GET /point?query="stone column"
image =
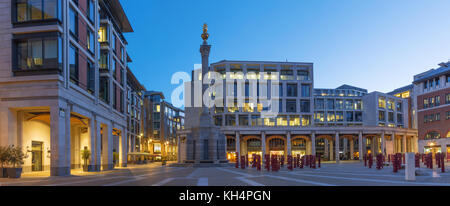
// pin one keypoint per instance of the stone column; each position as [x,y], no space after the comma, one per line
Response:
[92,143]
[360,144]
[352,148]
[107,153]
[313,143]
[123,149]
[326,149]
[98,145]
[372,145]
[58,141]
[404,143]
[238,145]
[331,152]
[345,142]
[263,145]
[288,145]
[337,147]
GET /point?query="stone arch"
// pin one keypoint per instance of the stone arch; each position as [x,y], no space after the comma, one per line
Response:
[324,136]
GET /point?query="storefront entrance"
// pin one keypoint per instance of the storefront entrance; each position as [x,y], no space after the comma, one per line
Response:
[36,157]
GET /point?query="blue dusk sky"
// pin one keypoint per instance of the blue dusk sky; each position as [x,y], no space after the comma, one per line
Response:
[374,44]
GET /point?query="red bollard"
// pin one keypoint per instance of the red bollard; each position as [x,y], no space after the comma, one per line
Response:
[370,161]
[258,164]
[282,161]
[237,160]
[289,162]
[267,162]
[242,162]
[313,161]
[389,158]
[404,159]
[417,160]
[442,163]
[302,162]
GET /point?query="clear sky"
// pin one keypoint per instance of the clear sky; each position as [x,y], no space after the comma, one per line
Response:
[374,44]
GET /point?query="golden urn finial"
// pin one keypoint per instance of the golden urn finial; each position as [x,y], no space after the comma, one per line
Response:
[205,34]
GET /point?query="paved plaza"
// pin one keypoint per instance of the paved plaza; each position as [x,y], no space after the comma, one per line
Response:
[344,174]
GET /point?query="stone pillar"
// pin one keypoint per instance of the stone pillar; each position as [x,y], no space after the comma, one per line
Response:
[383,144]
[352,148]
[288,145]
[404,143]
[92,143]
[238,145]
[326,149]
[123,149]
[59,166]
[360,144]
[313,143]
[345,142]
[372,145]
[263,145]
[98,145]
[337,147]
[107,153]
[331,152]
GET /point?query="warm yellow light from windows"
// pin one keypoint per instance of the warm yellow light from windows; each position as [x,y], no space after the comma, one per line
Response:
[282,121]
[259,107]
[305,121]
[158,108]
[248,107]
[269,122]
[294,121]
[102,35]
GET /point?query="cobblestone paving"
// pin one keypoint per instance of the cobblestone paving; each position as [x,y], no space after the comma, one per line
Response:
[344,174]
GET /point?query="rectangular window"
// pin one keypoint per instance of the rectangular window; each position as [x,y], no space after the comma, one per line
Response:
[305,106]
[438,117]
[358,116]
[319,104]
[104,60]
[349,116]
[256,120]
[91,77]
[113,43]
[230,120]
[438,82]
[103,34]
[282,121]
[447,98]
[38,53]
[381,116]
[104,89]
[448,115]
[399,119]
[447,79]
[37,10]
[303,75]
[425,103]
[73,64]
[382,102]
[331,117]
[391,117]
[330,104]
[437,101]
[399,107]
[339,104]
[339,116]
[114,71]
[91,10]
[114,96]
[291,106]
[320,117]
[349,104]
[291,90]
[306,120]
[390,105]
[431,102]
[90,41]
[294,121]
[358,105]
[73,22]
[306,90]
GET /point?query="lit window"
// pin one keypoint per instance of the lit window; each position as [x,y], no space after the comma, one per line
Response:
[382,102]
[294,121]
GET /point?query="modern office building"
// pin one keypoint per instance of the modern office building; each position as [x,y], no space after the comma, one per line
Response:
[162,120]
[432,103]
[63,72]
[135,107]
[343,122]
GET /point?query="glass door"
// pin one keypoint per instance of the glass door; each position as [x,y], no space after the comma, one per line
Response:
[36,156]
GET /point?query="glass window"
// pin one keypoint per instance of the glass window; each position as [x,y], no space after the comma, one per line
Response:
[243,120]
[448,78]
[73,64]
[306,120]
[382,102]
[91,10]
[399,107]
[230,120]
[432,135]
[448,115]
[282,121]
[330,104]
[114,71]
[90,41]
[339,104]
[269,122]
[425,103]
[438,82]
[305,106]
[330,117]
[320,117]
[104,60]
[303,75]
[349,104]
[306,90]
[339,116]
[113,43]
[104,89]
[349,116]
[381,116]
[438,100]
[73,24]
[358,105]
[294,121]
[319,104]
[91,76]
[40,53]
[35,10]
[391,116]
[103,34]
[358,116]
[291,106]
[291,90]
[447,98]
[256,120]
